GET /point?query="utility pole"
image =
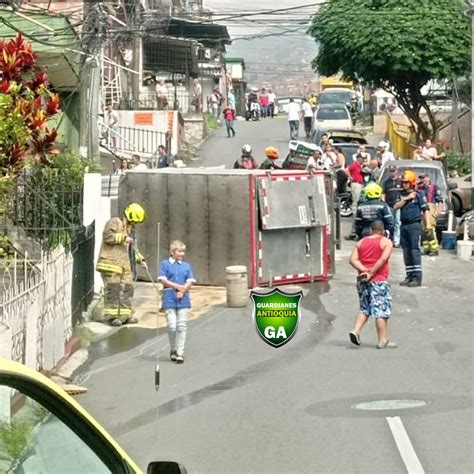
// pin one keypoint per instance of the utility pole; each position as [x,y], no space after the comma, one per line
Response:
[454,118]
[90,91]
[472,103]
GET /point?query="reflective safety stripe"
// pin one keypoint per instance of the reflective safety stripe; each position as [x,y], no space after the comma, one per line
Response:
[119,238]
[139,258]
[117,311]
[109,268]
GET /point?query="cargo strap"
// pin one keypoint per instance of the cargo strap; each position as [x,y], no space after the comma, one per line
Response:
[109,268]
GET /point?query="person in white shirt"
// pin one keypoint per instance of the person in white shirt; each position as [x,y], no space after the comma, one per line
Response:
[137,164]
[361,150]
[271,103]
[112,119]
[315,162]
[307,117]
[429,151]
[161,95]
[294,115]
[329,157]
[387,155]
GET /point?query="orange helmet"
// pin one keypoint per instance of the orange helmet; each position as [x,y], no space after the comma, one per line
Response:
[271,152]
[410,176]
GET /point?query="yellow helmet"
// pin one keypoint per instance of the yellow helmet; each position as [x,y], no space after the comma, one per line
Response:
[373,191]
[135,213]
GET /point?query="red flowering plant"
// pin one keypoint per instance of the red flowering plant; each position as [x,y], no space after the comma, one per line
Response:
[26,105]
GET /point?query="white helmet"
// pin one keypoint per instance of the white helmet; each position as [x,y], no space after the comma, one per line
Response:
[254,89]
[383,145]
[246,150]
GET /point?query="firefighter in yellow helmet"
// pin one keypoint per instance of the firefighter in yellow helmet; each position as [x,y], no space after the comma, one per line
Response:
[114,265]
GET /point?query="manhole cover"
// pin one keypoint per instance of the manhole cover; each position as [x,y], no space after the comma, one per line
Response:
[390,404]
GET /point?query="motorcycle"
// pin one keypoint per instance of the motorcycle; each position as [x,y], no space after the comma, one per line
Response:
[345,204]
[252,111]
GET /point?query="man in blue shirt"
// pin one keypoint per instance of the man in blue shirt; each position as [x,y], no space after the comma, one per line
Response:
[413,208]
[177,277]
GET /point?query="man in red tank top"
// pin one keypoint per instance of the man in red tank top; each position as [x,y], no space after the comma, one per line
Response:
[370,258]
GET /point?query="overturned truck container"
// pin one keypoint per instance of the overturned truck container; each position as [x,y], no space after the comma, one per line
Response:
[278,224]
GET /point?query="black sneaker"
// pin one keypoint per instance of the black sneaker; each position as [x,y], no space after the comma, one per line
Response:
[405,282]
[179,359]
[115,322]
[350,237]
[414,283]
[131,321]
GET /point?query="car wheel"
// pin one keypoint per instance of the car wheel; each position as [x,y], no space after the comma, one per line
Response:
[457,205]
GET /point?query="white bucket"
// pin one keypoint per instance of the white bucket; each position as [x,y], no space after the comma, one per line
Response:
[237,286]
[464,250]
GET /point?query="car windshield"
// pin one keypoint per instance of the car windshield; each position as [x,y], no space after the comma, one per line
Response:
[334,98]
[350,150]
[332,114]
[435,174]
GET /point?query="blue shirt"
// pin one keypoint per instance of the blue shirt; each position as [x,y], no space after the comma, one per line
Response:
[175,272]
[412,210]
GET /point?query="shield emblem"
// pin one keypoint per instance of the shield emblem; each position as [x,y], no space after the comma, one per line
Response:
[276,315]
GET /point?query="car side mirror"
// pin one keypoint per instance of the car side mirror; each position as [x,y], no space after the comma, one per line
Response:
[452,185]
[165,467]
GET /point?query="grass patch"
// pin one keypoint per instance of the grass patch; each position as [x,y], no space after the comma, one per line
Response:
[210,123]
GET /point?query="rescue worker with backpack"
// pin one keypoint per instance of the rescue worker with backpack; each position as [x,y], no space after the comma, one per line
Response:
[434,199]
[373,209]
[246,161]
[413,209]
[115,267]
[272,154]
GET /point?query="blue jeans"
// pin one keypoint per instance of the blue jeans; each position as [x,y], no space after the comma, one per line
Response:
[410,241]
[177,321]
[396,226]
[294,129]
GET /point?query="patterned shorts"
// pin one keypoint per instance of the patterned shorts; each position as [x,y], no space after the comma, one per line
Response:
[375,299]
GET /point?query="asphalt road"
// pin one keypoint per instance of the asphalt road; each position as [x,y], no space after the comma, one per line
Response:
[238,405]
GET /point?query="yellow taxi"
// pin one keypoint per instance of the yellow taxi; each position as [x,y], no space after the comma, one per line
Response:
[44,430]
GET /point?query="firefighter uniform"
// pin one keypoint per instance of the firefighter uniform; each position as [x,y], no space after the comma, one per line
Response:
[411,217]
[429,240]
[370,211]
[115,267]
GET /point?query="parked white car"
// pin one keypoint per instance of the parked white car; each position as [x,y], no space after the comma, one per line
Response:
[332,116]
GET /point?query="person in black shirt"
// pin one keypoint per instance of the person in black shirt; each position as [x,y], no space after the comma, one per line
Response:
[392,188]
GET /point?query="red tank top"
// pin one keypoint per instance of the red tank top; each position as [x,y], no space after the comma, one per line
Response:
[369,253]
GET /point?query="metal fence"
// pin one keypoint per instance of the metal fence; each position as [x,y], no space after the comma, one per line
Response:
[139,140]
[46,207]
[177,98]
[35,311]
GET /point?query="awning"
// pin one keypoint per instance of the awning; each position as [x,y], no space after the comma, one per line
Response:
[210,34]
[55,41]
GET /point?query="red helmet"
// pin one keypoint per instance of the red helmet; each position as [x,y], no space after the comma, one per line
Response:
[410,176]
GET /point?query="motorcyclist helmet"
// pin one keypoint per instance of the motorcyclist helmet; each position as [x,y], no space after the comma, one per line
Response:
[135,213]
[410,177]
[373,191]
[246,150]
[271,152]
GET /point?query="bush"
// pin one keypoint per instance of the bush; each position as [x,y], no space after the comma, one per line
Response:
[460,164]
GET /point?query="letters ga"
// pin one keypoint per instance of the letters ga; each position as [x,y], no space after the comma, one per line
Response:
[271,333]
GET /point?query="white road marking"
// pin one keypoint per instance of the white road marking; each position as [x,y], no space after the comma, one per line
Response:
[405,448]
